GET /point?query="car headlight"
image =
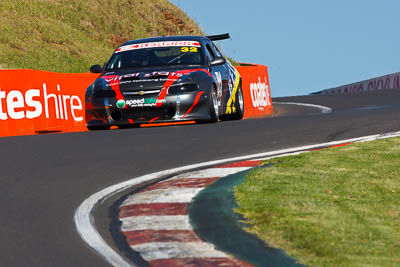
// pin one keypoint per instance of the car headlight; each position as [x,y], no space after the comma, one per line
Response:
[100,89]
[183,88]
[103,93]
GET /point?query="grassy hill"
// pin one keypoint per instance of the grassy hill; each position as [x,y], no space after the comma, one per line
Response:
[71,35]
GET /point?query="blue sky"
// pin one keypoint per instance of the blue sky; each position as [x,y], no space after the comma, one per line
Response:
[308,45]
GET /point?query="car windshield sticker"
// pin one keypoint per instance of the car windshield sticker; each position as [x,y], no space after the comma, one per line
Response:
[158,44]
[186,49]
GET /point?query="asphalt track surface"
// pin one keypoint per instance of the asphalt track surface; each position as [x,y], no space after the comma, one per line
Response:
[45,178]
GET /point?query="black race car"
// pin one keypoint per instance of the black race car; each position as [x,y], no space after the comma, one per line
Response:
[164,79]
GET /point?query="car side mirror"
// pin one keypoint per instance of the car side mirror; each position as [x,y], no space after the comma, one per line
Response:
[218,61]
[96,69]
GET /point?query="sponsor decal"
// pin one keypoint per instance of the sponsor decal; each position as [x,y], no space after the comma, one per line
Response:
[162,73]
[158,44]
[16,105]
[218,80]
[121,104]
[146,76]
[234,79]
[260,93]
[233,73]
[144,102]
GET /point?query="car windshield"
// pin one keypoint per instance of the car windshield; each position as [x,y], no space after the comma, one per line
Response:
[156,54]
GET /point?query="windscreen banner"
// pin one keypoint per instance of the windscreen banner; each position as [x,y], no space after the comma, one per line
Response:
[35,102]
[256,90]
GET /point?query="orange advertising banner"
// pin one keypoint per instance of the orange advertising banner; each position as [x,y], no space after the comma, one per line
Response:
[34,102]
[37,102]
[256,90]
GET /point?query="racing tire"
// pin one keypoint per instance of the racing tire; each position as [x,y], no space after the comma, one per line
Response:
[213,105]
[239,106]
[98,127]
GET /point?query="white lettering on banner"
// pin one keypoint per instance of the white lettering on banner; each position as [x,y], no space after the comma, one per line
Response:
[18,106]
[391,81]
[3,116]
[46,102]
[76,107]
[29,95]
[260,93]
[15,100]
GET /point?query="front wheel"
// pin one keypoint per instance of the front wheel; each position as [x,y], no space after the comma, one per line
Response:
[213,105]
[238,105]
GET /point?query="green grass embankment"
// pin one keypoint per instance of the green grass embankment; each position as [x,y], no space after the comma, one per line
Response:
[71,35]
[334,207]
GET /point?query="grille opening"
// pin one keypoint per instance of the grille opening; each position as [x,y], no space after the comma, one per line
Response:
[116,115]
[171,112]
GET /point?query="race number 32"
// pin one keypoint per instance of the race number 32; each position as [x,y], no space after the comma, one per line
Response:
[189,49]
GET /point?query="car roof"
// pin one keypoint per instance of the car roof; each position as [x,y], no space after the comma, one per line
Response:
[168,38]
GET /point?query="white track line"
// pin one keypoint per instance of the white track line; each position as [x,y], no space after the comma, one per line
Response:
[84,220]
[323,108]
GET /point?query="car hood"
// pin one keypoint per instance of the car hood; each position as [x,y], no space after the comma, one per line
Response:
[133,82]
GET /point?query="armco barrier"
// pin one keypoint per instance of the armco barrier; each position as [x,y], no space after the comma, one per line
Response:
[256,90]
[33,102]
[36,102]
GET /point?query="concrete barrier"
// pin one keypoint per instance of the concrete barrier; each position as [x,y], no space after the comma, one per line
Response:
[34,102]
[256,90]
[37,102]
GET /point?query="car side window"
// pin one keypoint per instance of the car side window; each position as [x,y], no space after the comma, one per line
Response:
[210,53]
[216,50]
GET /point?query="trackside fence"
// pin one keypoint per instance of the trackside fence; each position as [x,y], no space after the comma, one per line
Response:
[386,82]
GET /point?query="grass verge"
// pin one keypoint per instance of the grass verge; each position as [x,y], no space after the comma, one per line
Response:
[71,35]
[333,207]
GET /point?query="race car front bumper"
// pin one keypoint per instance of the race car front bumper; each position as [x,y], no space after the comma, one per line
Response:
[108,111]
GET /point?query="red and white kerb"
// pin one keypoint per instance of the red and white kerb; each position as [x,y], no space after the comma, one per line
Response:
[158,44]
